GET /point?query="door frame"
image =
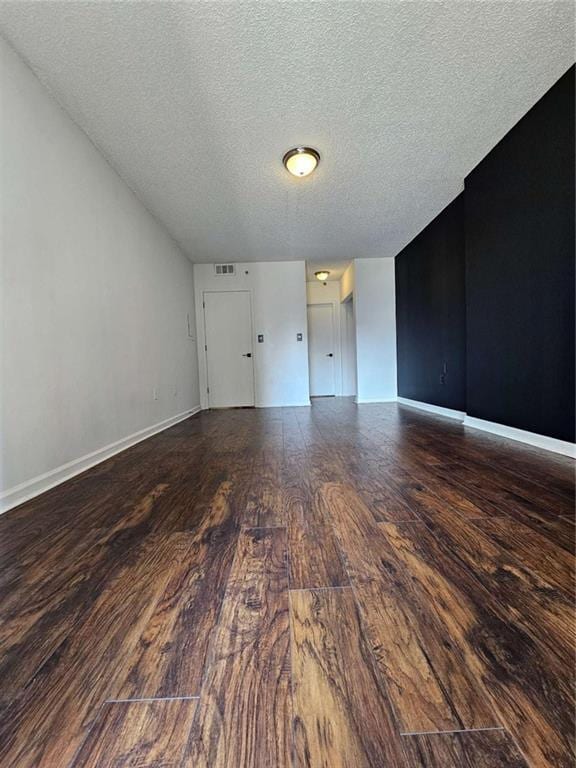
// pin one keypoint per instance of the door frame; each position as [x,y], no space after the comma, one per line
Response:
[336,342]
[251,313]
[349,367]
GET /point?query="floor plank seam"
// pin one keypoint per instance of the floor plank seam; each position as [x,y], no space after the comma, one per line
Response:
[210,646]
[86,735]
[516,743]
[262,527]
[319,589]
[384,682]
[455,730]
[151,698]
[291,725]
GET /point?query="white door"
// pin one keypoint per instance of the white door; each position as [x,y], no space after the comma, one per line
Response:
[321,349]
[228,324]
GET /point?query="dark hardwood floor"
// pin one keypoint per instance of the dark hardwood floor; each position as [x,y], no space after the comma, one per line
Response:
[334,587]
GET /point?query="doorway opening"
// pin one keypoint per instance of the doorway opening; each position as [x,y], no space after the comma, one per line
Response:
[349,385]
[331,329]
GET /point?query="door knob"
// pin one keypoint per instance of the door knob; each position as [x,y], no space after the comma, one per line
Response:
[329,354]
[248,354]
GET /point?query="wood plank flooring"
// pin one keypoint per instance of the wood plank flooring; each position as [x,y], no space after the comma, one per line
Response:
[139,734]
[339,586]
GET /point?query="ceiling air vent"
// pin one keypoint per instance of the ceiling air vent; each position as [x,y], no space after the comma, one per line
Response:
[224,269]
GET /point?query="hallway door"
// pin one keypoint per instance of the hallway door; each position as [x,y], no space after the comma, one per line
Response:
[228,324]
[321,349]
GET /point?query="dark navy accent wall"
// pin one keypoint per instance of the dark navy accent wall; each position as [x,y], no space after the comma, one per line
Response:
[488,287]
[519,205]
[431,313]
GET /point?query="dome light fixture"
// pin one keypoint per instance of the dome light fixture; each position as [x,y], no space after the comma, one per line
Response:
[321,275]
[301,161]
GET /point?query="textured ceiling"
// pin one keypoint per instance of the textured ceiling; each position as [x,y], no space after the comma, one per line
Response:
[194,103]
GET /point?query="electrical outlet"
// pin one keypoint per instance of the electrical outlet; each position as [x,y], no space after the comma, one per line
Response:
[154,393]
[175,391]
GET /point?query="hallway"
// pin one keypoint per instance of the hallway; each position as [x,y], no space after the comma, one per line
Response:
[340,585]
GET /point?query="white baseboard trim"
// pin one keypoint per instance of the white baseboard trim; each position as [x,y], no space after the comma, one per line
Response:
[300,404]
[367,400]
[449,413]
[512,433]
[531,438]
[37,485]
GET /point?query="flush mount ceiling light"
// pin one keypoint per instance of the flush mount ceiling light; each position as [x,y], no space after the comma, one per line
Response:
[301,161]
[322,275]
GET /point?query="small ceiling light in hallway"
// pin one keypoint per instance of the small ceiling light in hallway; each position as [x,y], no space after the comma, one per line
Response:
[301,161]
[322,275]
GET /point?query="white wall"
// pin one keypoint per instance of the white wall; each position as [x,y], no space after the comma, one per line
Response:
[94,296]
[329,293]
[348,347]
[375,315]
[279,312]
[348,325]
[347,283]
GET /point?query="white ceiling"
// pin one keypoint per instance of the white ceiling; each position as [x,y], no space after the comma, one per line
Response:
[195,103]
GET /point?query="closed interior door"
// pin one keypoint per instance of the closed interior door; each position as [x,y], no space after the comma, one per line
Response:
[321,349]
[228,324]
